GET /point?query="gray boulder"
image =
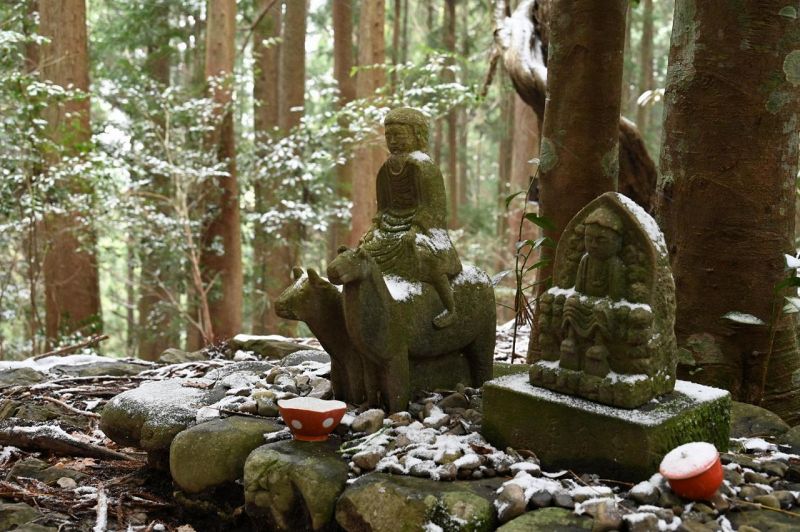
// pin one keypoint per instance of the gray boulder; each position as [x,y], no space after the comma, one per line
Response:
[20,377]
[306,355]
[17,515]
[42,471]
[151,415]
[293,485]
[749,420]
[212,454]
[548,520]
[269,347]
[379,502]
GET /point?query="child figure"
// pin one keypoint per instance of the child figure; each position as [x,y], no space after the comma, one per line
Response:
[409,235]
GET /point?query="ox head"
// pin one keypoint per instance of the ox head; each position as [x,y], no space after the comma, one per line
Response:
[303,296]
[349,265]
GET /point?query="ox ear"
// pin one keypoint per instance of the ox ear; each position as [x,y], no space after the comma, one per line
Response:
[341,249]
[297,273]
[313,276]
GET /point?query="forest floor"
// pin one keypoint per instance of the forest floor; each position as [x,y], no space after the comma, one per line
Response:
[69,476]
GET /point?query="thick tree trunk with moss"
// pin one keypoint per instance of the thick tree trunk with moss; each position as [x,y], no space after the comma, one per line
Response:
[579,154]
[343,60]
[222,267]
[368,159]
[265,120]
[727,193]
[72,288]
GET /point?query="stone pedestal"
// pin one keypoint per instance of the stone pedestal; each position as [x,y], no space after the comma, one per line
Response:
[568,432]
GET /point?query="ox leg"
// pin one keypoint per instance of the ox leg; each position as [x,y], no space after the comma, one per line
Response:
[480,354]
[371,382]
[340,381]
[395,383]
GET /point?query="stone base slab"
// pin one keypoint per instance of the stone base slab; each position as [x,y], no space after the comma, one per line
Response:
[568,432]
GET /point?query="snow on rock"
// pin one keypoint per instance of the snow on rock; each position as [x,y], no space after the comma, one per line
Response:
[742,318]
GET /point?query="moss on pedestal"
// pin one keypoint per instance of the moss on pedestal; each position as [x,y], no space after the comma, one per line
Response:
[577,434]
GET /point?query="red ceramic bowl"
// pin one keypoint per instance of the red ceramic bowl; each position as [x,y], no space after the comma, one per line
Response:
[311,419]
[693,470]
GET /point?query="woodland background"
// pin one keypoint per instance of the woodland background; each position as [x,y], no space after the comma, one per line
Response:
[147,194]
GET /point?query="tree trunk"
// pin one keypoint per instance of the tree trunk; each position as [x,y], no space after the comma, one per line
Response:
[368,159]
[452,116]
[504,169]
[646,58]
[627,100]
[579,156]
[157,320]
[524,148]
[223,267]
[727,193]
[265,120]
[284,252]
[522,39]
[342,67]
[396,29]
[72,288]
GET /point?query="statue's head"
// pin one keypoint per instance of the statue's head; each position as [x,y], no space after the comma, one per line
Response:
[406,130]
[603,234]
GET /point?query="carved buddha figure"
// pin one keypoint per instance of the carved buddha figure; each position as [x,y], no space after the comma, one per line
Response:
[408,236]
[600,280]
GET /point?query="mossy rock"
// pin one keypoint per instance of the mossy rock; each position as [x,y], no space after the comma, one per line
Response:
[21,377]
[253,367]
[792,439]
[151,415]
[17,515]
[765,521]
[115,368]
[293,485]
[212,454]
[42,471]
[178,356]
[382,503]
[749,421]
[548,520]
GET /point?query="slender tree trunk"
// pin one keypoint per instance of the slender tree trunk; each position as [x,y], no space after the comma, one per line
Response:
[627,100]
[580,134]
[368,159]
[284,253]
[646,81]
[396,29]
[157,321]
[464,116]
[223,269]
[524,148]
[33,244]
[265,120]
[727,197]
[452,116]
[342,67]
[504,169]
[72,288]
[404,54]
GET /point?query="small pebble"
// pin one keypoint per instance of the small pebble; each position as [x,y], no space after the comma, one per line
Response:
[369,421]
[67,483]
[510,502]
[770,501]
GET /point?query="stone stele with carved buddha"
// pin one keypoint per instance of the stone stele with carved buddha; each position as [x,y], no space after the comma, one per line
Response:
[606,327]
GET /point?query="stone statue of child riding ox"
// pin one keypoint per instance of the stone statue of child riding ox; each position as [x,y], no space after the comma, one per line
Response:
[409,316]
